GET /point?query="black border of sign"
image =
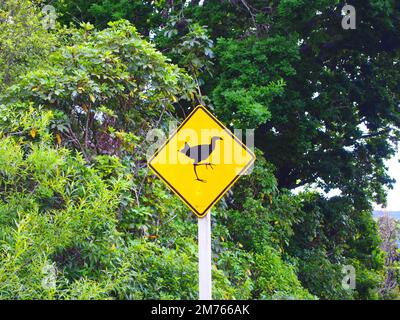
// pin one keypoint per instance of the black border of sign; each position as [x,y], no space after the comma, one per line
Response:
[204,213]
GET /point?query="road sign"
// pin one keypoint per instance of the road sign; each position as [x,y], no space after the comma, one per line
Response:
[201,161]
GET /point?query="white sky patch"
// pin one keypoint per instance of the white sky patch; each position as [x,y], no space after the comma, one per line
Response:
[363,128]
[349,148]
[393,201]
[313,187]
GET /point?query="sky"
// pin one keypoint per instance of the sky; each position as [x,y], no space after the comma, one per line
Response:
[393,201]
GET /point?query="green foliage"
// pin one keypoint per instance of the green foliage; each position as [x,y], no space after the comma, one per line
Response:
[103,83]
[321,276]
[24,42]
[57,211]
[250,76]
[276,279]
[54,209]
[332,233]
[150,271]
[76,104]
[143,14]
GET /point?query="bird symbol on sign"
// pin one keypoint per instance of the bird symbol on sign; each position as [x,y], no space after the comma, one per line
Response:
[200,153]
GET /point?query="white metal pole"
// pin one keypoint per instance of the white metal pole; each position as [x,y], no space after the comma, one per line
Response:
[204,235]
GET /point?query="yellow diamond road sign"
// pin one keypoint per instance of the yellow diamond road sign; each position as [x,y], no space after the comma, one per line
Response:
[201,161]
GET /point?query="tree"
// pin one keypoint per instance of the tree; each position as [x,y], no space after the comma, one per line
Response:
[144,15]
[102,84]
[24,40]
[389,231]
[70,223]
[324,100]
[334,122]
[324,103]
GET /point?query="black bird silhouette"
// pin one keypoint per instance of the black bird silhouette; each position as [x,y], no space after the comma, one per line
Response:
[200,153]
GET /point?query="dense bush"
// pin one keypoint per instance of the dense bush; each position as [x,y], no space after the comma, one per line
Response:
[24,39]
[59,212]
[81,217]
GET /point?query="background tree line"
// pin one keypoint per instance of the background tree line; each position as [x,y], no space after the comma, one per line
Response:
[77,102]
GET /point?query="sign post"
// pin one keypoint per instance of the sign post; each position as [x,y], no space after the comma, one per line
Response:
[205,267]
[200,162]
